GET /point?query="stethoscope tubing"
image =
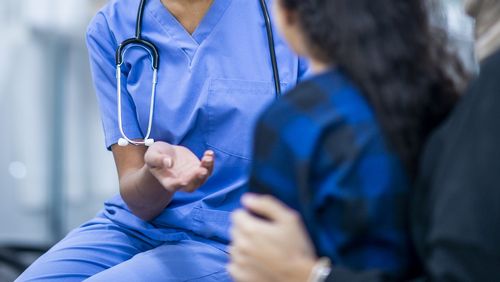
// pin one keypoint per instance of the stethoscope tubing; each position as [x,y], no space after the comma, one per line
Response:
[155,63]
[272,50]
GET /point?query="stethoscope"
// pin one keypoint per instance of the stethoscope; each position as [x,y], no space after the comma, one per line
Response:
[149,47]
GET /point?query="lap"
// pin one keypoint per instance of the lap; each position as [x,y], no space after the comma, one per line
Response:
[86,251]
[104,251]
[186,260]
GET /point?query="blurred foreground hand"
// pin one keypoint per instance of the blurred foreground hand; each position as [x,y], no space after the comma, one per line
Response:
[269,243]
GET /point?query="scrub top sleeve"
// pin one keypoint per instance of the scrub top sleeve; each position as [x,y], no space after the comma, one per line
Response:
[101,46]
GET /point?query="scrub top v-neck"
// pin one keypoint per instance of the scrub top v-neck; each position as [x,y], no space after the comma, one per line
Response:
[189,43]
[212,86]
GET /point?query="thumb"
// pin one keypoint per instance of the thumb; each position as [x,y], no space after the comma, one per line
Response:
[267,207]
[158,159]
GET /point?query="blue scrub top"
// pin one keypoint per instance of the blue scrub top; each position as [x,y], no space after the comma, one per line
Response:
[212,86]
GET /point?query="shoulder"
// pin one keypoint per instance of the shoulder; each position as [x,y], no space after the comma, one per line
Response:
[289,113]
[113,15]
[301,99]
[322,105]
[323,99]
[285,124]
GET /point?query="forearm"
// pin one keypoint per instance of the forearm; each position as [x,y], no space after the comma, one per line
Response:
[143,194]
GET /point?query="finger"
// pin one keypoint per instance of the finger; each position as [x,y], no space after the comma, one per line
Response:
[241,272]
[156,154]
[243,245]
[268,207]
[236,272]
[236,256]
[208,161]
[236,235]
[248,272]
[194,180]
[168,162]
[238,231]
[154,159]
[249,224]
[171,184]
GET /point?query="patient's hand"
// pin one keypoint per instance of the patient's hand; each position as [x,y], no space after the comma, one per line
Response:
[276,248]
[177,168]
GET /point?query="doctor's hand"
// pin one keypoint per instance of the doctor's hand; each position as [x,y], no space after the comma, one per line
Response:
[276,248]
[177,168]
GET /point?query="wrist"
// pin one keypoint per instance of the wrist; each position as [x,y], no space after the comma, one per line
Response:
[143,193]
[301,270]
[149,174]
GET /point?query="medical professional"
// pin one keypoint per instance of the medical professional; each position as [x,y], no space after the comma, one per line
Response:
[189,85]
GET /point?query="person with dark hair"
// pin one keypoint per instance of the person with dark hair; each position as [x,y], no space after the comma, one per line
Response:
[342,149]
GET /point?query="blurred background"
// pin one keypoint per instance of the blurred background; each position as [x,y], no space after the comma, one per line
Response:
[55,172]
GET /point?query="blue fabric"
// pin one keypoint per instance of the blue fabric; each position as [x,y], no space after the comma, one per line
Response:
[212,86]
[106,251]
[321,150]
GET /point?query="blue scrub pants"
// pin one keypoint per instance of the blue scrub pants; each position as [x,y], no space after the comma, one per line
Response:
[105,251]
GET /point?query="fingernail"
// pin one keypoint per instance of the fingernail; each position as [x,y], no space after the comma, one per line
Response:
[168,162]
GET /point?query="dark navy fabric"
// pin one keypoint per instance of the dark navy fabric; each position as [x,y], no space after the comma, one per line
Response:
[321,150]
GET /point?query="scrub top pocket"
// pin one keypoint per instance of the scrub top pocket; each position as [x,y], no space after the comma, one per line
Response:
[233,107]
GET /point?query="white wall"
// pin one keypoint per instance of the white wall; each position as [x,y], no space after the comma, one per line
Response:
[44,55]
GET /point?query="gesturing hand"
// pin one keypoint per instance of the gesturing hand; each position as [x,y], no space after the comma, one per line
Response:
[177,168]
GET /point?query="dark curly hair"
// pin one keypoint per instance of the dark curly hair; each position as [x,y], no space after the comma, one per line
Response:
[401,64]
